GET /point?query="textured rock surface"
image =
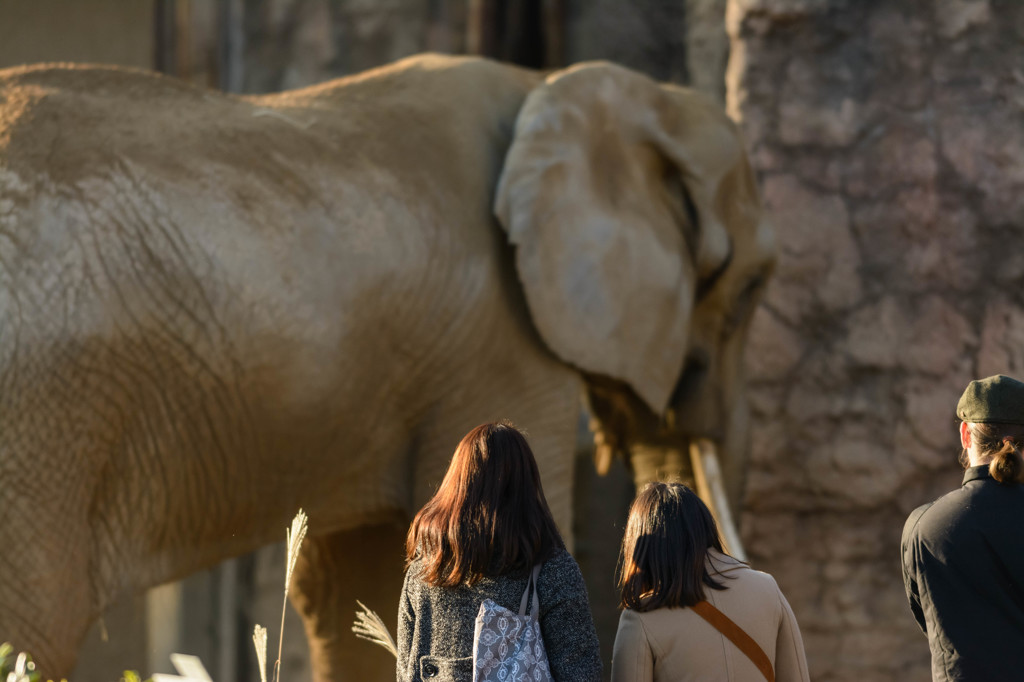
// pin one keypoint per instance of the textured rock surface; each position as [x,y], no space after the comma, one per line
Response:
[889,137]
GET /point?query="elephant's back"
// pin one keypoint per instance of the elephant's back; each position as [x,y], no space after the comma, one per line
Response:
[73,122]
[417,142]
[69,123]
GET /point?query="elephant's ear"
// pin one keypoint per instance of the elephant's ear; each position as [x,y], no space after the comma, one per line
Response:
[610,193]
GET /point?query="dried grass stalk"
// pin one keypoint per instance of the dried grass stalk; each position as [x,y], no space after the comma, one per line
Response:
[259,640]
[294,536]
[370,627]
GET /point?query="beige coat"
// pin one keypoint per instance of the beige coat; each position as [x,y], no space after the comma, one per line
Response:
[677,645]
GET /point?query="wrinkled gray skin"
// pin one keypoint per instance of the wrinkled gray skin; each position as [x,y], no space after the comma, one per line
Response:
[215,310]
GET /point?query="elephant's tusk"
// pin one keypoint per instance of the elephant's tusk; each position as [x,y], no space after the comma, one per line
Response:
[708,475]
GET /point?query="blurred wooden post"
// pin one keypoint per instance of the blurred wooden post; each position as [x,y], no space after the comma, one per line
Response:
[231,45]
[439,27]
[164,623]
[165,42]
[480,28]
[227,626]
[526,32]
[182,39]
[554,33]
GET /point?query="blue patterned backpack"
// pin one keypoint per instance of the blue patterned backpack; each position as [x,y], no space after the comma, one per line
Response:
[507,647]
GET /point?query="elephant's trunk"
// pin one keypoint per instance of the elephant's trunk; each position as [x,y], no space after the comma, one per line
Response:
[698,469]
[659,463]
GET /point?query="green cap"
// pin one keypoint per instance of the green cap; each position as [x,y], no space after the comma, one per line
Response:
[996,400]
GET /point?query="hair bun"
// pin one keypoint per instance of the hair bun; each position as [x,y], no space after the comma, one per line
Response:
[1007,465]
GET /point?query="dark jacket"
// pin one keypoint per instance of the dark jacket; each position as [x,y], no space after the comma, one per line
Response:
[963,567]
[435,624]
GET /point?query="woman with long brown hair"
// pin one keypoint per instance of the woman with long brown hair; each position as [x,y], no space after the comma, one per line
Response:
[691,611]
[480,537]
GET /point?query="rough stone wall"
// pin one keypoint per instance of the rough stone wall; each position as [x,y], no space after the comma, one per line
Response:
[889,138]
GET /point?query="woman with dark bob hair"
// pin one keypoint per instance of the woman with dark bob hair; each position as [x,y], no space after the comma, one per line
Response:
[478,538]
[691,611]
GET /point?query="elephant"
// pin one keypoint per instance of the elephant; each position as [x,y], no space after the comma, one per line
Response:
[216,309]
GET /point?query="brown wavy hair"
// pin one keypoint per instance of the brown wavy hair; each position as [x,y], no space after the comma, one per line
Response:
[664,551]
[489,517]
[1003,443]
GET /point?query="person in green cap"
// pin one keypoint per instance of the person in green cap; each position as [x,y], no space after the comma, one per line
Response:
[963,554]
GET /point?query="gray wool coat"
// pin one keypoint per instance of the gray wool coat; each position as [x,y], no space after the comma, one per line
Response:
[435,624]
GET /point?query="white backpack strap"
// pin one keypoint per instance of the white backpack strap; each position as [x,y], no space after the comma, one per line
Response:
[532,582]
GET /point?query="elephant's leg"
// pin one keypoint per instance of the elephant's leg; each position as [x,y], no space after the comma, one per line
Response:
[334,571]
[38,625]
[47,599]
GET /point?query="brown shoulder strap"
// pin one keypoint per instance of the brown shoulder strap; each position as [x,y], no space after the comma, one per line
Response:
[735,634]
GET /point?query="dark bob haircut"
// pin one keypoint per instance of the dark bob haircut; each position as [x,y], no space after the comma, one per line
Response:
[664,551]
[489,516]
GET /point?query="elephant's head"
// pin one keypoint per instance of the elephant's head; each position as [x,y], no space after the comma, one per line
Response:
[642,253]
